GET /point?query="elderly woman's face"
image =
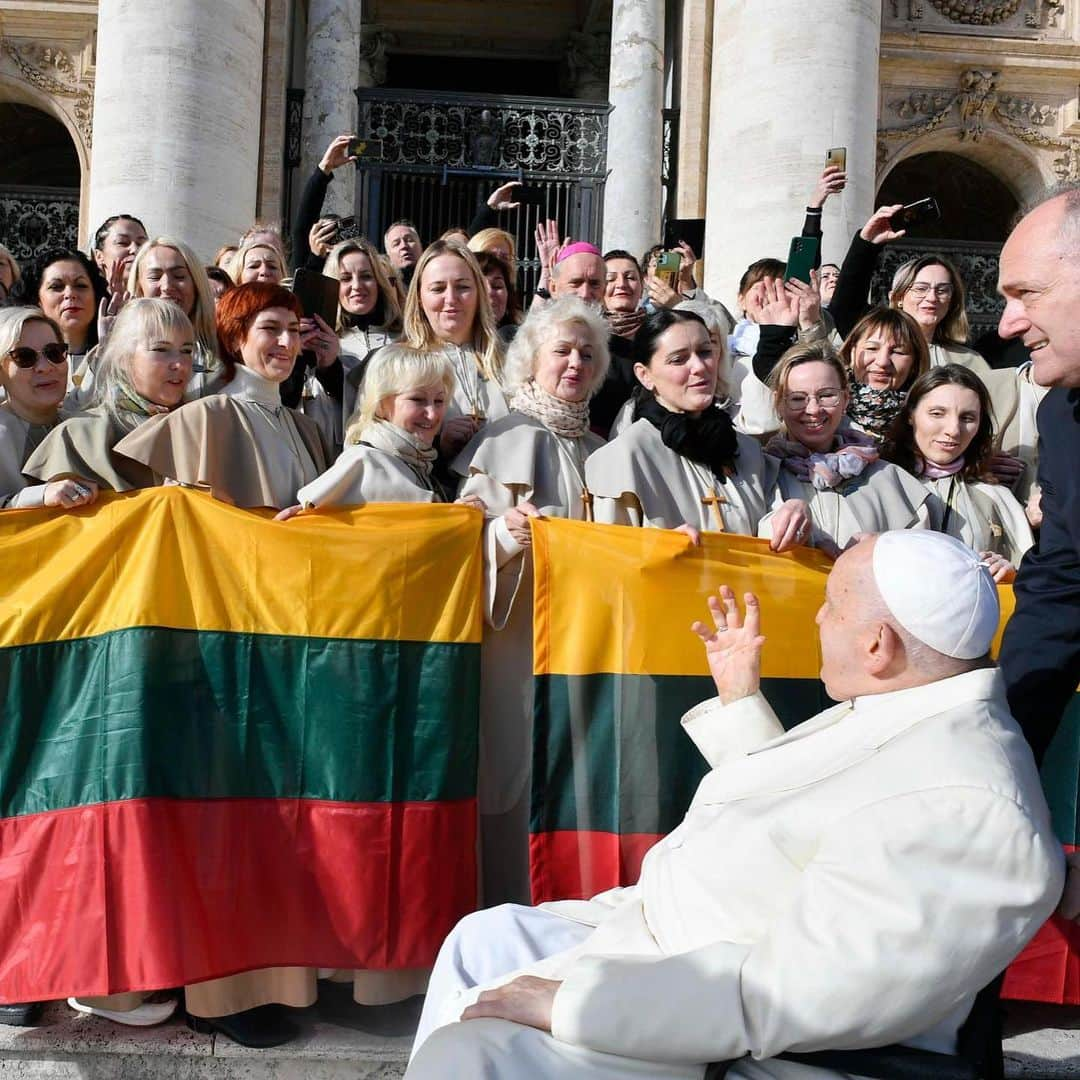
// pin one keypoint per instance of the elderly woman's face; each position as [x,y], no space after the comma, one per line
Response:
[880,361]
[357,288]
[682,372]
[928,298]
[563,365]
[272,344]
[261,264]
[161,366]
[418,411]
[35,392]
[813,404]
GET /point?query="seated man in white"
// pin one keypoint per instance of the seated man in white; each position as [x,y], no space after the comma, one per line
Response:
[851,884]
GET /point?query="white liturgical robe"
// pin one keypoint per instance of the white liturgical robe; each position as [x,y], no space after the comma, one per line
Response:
[852,883]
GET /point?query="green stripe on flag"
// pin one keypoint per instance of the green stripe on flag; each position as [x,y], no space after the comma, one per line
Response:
[609,753]
[153,712]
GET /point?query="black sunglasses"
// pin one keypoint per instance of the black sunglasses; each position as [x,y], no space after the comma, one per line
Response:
[25,357]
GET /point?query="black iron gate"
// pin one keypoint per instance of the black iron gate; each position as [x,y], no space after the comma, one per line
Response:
[32,220]
[443,154]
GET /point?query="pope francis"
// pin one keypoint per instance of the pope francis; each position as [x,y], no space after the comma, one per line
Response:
[852,883]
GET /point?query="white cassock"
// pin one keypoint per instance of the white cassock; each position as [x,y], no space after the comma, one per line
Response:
[852,883]
[637,480]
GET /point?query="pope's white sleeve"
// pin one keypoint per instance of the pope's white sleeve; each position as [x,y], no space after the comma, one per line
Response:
[720,731]
[907,908]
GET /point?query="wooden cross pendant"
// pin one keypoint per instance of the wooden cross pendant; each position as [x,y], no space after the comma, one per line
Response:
[586,503]
[713,502]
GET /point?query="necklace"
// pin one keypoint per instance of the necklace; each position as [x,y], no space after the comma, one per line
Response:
[576,460]
[468,378]
[714,499]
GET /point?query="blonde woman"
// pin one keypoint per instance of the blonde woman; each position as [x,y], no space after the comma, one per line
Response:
[389,451]
[448,311]
[497,242]
[143,371]
[368,317]
[9,273]
[257,260]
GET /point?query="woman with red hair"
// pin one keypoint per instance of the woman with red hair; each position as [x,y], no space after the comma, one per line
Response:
[242,444]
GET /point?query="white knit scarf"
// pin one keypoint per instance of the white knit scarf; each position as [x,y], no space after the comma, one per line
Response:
[397,441]
[569,419]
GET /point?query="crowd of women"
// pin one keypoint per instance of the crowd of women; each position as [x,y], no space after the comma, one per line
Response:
[810,420]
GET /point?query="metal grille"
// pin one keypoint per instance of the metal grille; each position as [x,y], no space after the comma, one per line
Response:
[32,220]
[442,155]
[978,266]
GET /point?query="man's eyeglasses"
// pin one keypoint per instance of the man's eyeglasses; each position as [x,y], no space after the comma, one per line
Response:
[827,399]
[25,357]
[921,289]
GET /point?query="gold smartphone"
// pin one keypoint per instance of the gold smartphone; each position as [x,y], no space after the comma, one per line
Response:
[837,156]
[667,267]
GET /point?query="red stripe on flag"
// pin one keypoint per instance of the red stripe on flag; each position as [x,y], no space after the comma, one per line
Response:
[155,893]
[1049,968]
[571,865]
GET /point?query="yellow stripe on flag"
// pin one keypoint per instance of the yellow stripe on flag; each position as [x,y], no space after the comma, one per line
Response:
[621,600]
[254,574]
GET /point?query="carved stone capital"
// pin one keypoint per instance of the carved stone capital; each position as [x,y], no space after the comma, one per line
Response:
[977,12]
[374,43]
[56,72]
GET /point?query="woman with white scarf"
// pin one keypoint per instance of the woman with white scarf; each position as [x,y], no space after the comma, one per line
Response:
[389,454]
[530,463]
[834,467]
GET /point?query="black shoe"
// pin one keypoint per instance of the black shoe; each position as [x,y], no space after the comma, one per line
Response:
[261,1028]
[25,1014]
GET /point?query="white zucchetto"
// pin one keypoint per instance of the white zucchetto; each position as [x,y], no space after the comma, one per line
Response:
[938,590]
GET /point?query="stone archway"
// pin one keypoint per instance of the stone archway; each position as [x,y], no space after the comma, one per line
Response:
[40,180]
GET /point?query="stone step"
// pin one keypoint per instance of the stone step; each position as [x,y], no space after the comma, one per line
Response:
[340,1041]
[345,1041]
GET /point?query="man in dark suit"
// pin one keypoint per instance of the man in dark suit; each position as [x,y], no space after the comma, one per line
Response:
[1040,279]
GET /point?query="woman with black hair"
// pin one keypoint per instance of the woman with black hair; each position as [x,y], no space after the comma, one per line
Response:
[944,435]
[68,288]
[681,464]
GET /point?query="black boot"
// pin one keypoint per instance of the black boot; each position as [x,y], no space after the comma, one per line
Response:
[261,1028]
[24,1014]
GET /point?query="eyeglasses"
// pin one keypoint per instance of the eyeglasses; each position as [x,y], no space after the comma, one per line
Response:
[827,399]
[25,357]
[921,289]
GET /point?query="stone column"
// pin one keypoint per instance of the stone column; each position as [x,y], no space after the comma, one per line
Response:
[635,129]
[789,81]
[176,117]
[332,74]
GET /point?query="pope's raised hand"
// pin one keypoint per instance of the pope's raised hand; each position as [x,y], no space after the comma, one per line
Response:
[733,647]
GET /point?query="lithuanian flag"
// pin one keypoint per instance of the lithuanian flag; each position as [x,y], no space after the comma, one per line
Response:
[233,743]
[616,666]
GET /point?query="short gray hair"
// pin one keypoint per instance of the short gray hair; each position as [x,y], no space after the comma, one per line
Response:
[139,321]
[1069,190]
[12,321]
[540,326]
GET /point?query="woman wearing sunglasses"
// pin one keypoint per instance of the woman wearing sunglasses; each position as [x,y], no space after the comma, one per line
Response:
[34,376]
[833,466]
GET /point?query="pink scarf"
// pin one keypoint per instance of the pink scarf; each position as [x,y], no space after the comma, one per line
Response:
[854,451]
[930,471]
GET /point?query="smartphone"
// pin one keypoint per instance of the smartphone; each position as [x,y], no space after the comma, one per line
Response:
[917,213]
[348,228]
[802,258]
[530,196]
[667,267]
[318,295]
[366,149]
[690,230]
[837,156]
